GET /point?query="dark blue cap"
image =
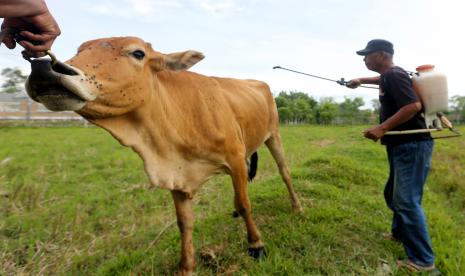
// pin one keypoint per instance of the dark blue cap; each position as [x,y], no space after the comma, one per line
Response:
[377,45]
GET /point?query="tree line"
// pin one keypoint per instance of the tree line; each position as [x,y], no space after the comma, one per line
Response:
[298,107]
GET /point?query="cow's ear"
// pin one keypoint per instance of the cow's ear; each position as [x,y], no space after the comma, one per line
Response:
[175,61]
[182,60]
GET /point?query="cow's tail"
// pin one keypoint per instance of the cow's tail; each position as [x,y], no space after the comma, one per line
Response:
[252,165]
[252,171]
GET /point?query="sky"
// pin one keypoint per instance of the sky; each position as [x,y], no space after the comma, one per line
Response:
[247,38]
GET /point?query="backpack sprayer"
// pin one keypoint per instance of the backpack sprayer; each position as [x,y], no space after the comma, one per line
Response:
[431,88]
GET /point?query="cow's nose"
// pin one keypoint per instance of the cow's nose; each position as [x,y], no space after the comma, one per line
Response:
[64,69]
[42,72]
[44,68]
[45,76]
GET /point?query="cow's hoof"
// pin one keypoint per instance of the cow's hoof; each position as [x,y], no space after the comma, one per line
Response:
[235,214]
[184,272]
[297,208]
[257,253]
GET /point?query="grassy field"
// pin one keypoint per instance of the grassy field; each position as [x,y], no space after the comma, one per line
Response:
[75,202]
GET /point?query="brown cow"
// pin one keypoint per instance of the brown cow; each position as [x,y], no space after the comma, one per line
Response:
[186,127]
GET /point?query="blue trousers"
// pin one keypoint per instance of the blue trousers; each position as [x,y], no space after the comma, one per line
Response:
[409,164]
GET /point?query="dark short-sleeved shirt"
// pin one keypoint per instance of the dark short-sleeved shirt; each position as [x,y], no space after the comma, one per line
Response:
[396,91]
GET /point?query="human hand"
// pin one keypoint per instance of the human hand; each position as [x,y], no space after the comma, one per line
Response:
[39,32]
[354,83]
[374,133]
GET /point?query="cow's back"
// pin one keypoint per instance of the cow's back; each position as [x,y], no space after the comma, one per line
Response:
[221,111]
[253,107]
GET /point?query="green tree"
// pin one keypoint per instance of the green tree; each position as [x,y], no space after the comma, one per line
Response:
[458,108]
[349,111]
[300,108]
[326,111]
[285,114]
[367,116]
[14,80]
[281,101]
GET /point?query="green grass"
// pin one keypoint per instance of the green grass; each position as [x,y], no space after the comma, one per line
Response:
[75,202]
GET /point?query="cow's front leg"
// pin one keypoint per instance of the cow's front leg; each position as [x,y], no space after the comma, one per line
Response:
[185,219]
[243,207]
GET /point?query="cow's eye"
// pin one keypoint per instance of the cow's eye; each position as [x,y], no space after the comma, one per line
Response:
[138,54]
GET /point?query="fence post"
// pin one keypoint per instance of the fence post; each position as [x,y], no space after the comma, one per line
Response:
[28,109]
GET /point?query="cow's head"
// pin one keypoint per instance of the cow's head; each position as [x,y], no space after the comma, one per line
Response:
[107,77]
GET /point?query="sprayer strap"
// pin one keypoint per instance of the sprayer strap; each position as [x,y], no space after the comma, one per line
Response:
[447,136]
[412,131]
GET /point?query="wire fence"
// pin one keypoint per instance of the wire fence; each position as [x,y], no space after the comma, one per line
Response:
[28,110]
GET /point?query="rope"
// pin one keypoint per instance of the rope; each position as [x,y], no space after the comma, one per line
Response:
[18,37]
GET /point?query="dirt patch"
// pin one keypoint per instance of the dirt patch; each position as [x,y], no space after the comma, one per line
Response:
[324,143]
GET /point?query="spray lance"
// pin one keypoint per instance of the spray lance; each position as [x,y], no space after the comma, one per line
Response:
[341,81]
[427,84]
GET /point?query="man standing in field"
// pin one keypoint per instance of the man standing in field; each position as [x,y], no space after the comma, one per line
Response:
[409,155]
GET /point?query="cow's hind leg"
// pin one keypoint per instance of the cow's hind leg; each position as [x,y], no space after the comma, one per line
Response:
[238,172]
[185,219]
[275,146]
[251,172]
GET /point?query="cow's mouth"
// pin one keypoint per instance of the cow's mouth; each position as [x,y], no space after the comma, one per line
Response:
[59,98]
[59,87]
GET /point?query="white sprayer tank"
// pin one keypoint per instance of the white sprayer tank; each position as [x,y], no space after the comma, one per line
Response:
[432,89]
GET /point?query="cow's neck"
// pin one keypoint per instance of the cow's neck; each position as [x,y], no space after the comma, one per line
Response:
[146,129]
[154,132]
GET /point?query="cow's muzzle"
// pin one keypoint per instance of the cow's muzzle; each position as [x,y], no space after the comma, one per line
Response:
[58,86]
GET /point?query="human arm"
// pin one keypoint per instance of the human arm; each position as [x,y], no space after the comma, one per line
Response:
[20,8]
[354,83]
[37,25]
[403,115]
